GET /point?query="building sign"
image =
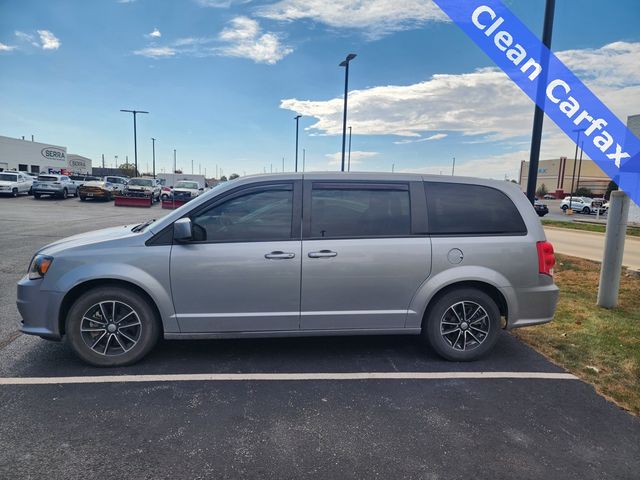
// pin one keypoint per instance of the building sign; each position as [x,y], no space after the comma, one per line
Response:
[53,153]
[77,162]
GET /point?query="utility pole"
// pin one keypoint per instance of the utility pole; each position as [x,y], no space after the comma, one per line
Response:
[303,158]
[174,161]
[135,140]
[393,167]
[573,177]
[192,166]
[103,160]
[153,146]
[282,164]
[297,118]
[580,167]
[538,116]
[453,168]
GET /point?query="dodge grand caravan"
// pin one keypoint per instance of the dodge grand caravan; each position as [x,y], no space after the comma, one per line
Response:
[451,259]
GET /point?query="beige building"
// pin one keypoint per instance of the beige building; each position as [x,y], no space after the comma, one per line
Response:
[557,174]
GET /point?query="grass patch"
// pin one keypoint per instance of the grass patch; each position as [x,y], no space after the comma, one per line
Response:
[598,345]
[588,227]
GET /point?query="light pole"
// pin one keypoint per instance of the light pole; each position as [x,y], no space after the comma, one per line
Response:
[304,154]
[349,156]
[453,168]
[297,118]
[153,146]
[575,160]
[345,64]
[135,140]
[538,116]
[174,161]
[579,166]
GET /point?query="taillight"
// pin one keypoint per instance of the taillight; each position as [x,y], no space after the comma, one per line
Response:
[546,258]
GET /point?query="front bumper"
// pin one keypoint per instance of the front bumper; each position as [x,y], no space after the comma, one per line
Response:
[39,309]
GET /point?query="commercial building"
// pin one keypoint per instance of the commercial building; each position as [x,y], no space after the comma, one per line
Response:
[35,157]
[557,174]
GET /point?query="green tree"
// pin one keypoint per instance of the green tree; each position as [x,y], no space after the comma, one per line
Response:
[223,178]
[583,192]
[542,190]
[233,176]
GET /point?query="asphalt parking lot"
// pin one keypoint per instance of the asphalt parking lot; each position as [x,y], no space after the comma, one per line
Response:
[384,407]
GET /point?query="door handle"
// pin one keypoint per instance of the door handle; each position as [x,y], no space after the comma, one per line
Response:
[279,255]
[323,254]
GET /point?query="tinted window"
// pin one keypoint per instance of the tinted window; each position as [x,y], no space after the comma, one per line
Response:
[359,212]
[255,217]
[7,177]
[47,178]
[456,208]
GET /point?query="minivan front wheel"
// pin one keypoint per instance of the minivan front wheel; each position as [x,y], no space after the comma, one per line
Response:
[111,326]
[462,325]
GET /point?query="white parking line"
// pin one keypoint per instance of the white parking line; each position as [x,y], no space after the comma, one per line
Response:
[224,377]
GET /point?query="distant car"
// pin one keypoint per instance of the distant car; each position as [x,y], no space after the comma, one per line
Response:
[541,208]
[166,192]
[584,205]
[15,183]
[549,196]
[119,183]
[145,186]
[79,180]
[97,189]
[54,185]
[187,189]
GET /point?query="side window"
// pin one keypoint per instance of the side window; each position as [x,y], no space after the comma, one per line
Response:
[459,209]
[258,216]
[359,211]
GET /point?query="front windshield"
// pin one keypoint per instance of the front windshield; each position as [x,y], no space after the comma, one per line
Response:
[190,185]
[5,177]
[141,182]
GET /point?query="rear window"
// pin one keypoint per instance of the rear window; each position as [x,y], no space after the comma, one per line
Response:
[47,178]
[462,209]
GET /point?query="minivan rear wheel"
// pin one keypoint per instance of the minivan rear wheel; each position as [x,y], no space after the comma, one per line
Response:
[111,327]
[462,325]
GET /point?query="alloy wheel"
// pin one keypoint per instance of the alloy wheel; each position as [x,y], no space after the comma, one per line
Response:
[465,325]
[110,328]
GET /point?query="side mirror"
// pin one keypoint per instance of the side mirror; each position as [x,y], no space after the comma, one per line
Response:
[182,229]
[201,189]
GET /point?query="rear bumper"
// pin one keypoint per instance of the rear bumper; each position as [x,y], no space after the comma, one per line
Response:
[531,306]
[39,309]
[47,191]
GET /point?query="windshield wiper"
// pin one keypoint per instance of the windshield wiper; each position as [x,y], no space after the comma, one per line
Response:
[142,226]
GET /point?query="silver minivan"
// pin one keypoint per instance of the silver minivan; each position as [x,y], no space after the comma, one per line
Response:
[452,259]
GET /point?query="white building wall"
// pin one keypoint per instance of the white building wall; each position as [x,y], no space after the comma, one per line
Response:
[18,154]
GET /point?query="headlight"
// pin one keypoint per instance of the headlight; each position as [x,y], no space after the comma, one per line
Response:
[39,266]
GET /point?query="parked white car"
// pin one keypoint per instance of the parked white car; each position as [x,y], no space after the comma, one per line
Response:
[584,205]
[15,183]
[187,188]
[119,183]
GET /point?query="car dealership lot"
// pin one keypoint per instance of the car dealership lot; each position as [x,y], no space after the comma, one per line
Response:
[190,427]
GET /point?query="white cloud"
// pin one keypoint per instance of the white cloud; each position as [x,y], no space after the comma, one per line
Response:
[245,39]
[154,34]
[126,1]
[26,38]
[484,103]
[156,52]
[220,3]
[6,48]
[375,17]
[48,40]
[357,156]
[437,136]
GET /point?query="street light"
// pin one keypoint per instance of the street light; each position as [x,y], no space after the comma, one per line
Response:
[135,140]
[153,143]
[345,64]
[575,160]
[349,156]
[296,118]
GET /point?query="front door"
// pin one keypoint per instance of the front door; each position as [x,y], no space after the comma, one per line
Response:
[241,271]
[361,261]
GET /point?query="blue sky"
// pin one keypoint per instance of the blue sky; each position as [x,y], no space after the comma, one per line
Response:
[223,80]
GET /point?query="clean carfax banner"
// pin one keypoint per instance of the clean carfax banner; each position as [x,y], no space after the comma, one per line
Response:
[554,88]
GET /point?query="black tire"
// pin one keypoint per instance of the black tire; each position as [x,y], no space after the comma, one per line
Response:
[445,344]
[145,334]
[75,194]
[14,192]
[36,195]
[64,194]
[586,210]
[83,198]
[564,207]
